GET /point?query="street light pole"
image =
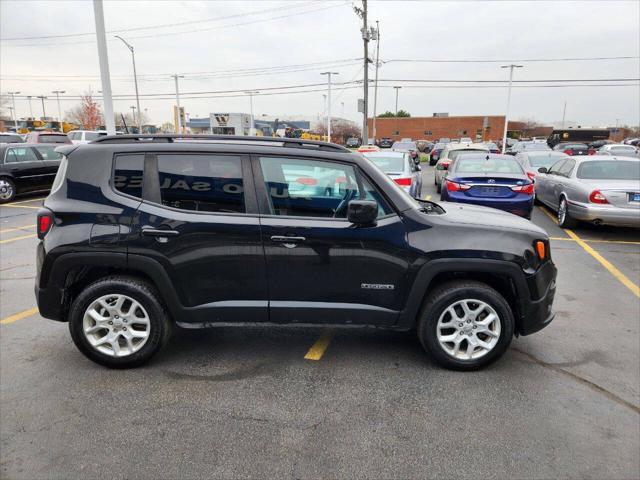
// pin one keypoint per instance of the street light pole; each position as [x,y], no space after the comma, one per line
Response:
[58,92]
[15,113]
[103,58]
[42,97]
[375,88]
[506,117]
[397,90]
[29,97]
[135,80]
[252,129]
[564,112]
[328,74]
[180,126]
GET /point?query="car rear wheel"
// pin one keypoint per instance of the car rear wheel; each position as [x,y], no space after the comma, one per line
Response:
[565,220]
[439,187]
[7,190]
[465,325]
[119,322]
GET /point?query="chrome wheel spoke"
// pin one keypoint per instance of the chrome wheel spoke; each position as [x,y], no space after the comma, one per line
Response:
[115,314]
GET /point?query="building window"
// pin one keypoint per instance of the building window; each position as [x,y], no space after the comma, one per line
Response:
[428,132]
[396,132]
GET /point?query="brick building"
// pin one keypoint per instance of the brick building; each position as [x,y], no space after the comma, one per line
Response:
[432,128]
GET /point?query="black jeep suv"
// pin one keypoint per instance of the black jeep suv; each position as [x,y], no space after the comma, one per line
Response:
[143,232]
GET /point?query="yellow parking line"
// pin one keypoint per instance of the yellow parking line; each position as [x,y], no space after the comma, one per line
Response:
[428,197]
[15,239]
[548,214]
[624,242]
[19,316]
[622,278]
[566,239]
[26,201]
[317,349]
[11,205]
[15,229]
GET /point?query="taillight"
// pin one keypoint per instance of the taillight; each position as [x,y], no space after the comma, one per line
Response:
[457,187]
[44,222]
[528,188]
[531,175]
[568,151]
[405,182]
[591,152]
[597,197]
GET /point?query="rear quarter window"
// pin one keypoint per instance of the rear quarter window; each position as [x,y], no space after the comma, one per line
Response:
[128,174]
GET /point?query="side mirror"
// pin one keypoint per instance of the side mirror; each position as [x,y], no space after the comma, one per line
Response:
[362,212]
[542,170]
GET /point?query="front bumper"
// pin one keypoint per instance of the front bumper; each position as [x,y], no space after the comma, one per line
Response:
[536,312]
[606,214]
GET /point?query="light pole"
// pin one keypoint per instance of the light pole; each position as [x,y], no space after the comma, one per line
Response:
[506,117]
[251,93]
[15,113]
[328,74]
[324,113]
[133,110]
[103,57]
[58,92]
[43,98]
[397,90]
[135,79]
[29,97]
[564,112]
[180,126]
[375,88]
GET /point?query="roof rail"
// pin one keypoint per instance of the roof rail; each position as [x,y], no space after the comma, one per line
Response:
[235,139]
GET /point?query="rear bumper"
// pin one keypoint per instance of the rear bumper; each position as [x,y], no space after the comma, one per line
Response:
[536,312]
[520,207]
[607,214]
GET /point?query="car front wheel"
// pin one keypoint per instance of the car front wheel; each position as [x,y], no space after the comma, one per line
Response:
[119,322]
[465,325]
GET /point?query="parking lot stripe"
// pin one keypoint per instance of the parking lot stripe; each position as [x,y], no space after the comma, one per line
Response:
[546,212]
[317,349]
[26,201]
[15,229]
[11,205]
[15,239]
[428,197]
[588,240]
[19,316]
[622,278]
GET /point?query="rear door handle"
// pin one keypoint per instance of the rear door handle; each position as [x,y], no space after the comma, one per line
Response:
[162,236]
[289,242]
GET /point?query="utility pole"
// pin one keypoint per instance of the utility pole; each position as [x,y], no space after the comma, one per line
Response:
[397,90]
[375,88]
[15,112]
[564,112]
[43,98]
[29,97]
[133,110]
[105,77]
[135,80]
[328,74]
[506,117]
[251,93]
[324,113]
[180,126]
[58,92]
[362,13]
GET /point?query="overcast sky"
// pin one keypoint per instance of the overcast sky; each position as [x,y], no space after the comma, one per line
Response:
[191,37]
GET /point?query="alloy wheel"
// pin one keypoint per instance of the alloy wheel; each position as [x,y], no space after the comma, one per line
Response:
[562,211]
[468,329]
[116,325]
[6,190]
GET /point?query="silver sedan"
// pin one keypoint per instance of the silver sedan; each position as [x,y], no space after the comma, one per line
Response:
[600,189]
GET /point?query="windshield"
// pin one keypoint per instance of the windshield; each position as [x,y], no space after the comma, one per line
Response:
[54,139]
[491,165]
[389,164]
[544,160]
[577,146]
[404,146]
[456,153]
[11,139]
[609,170]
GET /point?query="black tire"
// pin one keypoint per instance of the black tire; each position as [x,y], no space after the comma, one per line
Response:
[139,290]
[8,187]
[444,296]
[566,221]
[439,187]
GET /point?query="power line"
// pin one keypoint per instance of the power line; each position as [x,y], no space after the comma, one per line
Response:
[152,27]
[220,27]
[575,59]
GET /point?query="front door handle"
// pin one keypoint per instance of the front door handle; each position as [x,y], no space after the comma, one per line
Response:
[289,242]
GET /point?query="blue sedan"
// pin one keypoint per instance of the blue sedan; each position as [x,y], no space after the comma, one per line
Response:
[490,180]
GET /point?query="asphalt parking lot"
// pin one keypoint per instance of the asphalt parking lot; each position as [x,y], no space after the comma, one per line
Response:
[310,403]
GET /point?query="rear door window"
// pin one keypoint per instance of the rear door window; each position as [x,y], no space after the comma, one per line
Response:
[202,182]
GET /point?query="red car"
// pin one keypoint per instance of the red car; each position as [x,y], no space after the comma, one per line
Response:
[47,137]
